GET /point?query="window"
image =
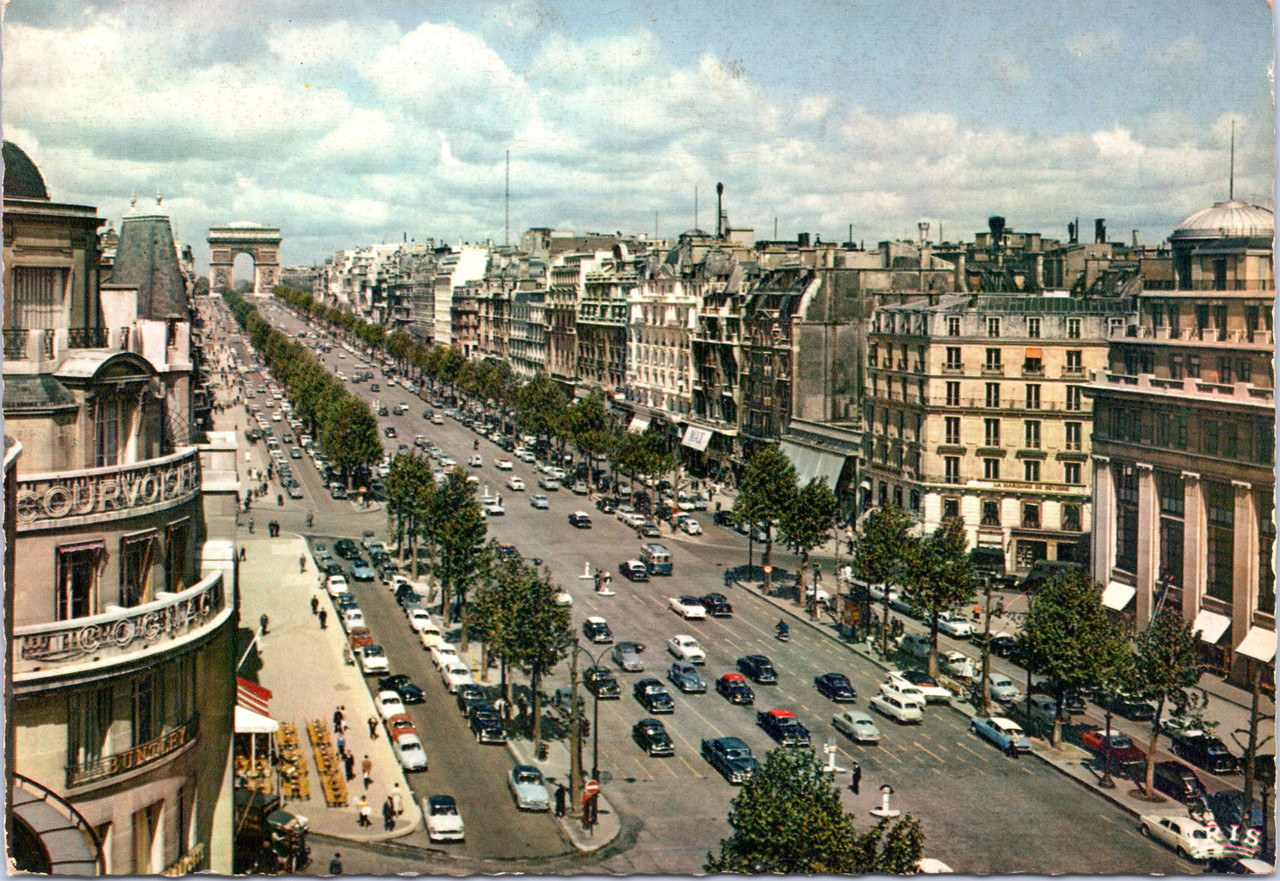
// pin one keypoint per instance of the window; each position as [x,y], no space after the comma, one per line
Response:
[1225,371]
[915,500]
[950,509]
[77,594]
[1030,515]
[875,386]
[1071,518]
[136,555]
[1075,361]
[953,358]
[990,512]
[1071,473]
[952,466]
[1265,447]
[1244,370]
[148,708]
[1032,434]
[1126,480]
[993,394]
[991,469]
[89,729]
[952,425]
[993,360]
[176,538]
[1033,396]
[1221,544]
[1193,366]
[1175,367]
[1211,437]
[1073,328]
[873,355]
[1230,439]
[1033,328]
[953,393]
[38,293]
[1075,398]
[921,395]
[1031,470]
[897,496]
[106,433]
[1074,430]
[991,432]
[993,328]
[953,325]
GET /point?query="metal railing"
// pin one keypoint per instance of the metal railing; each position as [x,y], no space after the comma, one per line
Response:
[15,344]
[87,338]
[140,756]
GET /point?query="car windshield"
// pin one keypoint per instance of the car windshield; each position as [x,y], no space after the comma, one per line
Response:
[528,777]
[1121,741]
[439,810]
[736,752]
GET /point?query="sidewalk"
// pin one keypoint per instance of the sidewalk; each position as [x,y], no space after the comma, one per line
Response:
[270,582]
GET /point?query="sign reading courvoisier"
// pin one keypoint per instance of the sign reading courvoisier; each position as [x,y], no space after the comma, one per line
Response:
[104,490]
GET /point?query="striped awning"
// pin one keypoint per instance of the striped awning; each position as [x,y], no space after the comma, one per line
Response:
[252,696]
[810,463]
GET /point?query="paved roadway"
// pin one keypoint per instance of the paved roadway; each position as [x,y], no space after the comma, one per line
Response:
[981,811]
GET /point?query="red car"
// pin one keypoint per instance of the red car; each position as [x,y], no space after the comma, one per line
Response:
[361,637]
[400,724]
[1123,751]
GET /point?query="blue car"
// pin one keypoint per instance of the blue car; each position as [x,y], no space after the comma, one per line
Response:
[1001,732]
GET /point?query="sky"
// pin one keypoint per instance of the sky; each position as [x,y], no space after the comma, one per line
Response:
[349,124]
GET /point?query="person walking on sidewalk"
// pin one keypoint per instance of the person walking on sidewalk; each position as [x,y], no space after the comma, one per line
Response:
[335,864]
[302,563]
[363,807]
[315,605]
[323,617]
[350,761]
[241,553]
[337,721]
[388,815]
[366,770]
[373,728]
[855,778]
[263,621]
[397,799]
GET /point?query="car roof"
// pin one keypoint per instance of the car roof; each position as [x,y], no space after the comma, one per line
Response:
[782,714]
[596,619]
[734,677]
[439,801]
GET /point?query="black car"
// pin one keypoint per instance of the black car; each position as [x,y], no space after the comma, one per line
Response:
[1226,809]
[652,737]
[758,668]
[783,726]
[1131,707]
[580,519]
[1204,751]
[389,431]
[470,695]
[634,570]
[653,696]
[346,549]
[717,605]
[723,518]
[597,630]
[602,683]
[733,688]
[607,505]
[403,686]
[333,567]
[1177,780]
[402,591]
[835,686]
[486,725]
[731,757]
[1072,701]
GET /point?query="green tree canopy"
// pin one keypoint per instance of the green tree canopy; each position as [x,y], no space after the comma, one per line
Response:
[1166,664]
[788,819]
[768,490]
[349,434]
[882,550]
[939,576]
[456,528]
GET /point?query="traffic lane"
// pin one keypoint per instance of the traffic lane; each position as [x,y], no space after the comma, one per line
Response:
[472,773]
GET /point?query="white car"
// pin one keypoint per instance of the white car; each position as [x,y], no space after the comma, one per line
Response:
[896,709]
[957,664]
[374,660]
[448,461]
[539,501]
[525,455]
[455,673]
[563,598]
[443,653]
[444,823]
[493,508]
[687,607]
[352,618]
[954,625]
[418,619]
[688,525]
[475,461]
[503,464]
[430,635]
[858,725]
[548,484]
[1003,689]
[409,752]
[904,692]
[932,693]
[686,648]
[337,584]
[1184,835]
[389,704]
[515,484]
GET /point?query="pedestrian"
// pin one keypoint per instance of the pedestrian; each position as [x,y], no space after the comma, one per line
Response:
[855,778]
[323,617]
[310,519]
[366,771]
[342,744]
[977,611]
[350,762]
[337,720]
[335,864]
[561,797]
[263,621]
[1000,609]
[388,815]
[251,526]
[397,799]
[363,807]
[242,553]
[373,728]
[315,604]
[302,563]
[1012,749]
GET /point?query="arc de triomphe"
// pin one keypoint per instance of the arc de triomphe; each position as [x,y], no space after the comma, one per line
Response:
[262,243]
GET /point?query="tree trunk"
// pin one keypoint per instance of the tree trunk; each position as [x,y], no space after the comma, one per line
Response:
[1148,777]
[535,685]
[462,617]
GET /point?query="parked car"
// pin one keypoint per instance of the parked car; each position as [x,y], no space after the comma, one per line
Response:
[928,686]
[653,696]
[1003,689]
[652,737]
[528,788]
[687,607]
[373,660]
[454,674]
[444,823]
[783,726]
[352,618]
[836,687]
[686,648]
[360,637]
[409,752]
[486,725]
[1177,780]
[389,704]
[399,724]
[403,686]
[443,653]
[731,757]
[1123,751]
[857,725]
[758,668]
[597,630]
[337,584]
[893,707]
[717,605]
[1189,838]
[1204,751]
[733,688]
[1130,707]
[606,505]
[684,676]
[1001,731]
[627,656]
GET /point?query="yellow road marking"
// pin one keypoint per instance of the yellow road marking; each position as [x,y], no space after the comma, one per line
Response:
[927,752]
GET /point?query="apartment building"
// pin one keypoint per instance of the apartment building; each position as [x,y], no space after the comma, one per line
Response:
[602,317]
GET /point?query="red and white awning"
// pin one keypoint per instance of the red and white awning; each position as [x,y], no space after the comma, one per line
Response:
[252,696]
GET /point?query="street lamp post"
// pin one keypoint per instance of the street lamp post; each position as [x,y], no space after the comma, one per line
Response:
[595,718]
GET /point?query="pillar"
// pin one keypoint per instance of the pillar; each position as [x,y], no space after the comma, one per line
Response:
[1244,561]
[1195,540]
[1104,520]
[1148,544]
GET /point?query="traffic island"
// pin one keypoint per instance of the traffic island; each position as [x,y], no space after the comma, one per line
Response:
[555,771]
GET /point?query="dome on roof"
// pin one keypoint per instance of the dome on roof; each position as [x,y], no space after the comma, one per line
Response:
[1229,218]
[22,179]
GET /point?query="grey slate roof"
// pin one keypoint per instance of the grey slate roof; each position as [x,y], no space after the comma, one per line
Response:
[146,259]
[22,179]
[38,392]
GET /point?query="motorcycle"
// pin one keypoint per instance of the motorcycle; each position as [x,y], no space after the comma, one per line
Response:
[784,634]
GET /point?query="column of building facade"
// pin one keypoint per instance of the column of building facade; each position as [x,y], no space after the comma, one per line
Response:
[1244,561]
[1147,569]
[1104,527]
[1194,542]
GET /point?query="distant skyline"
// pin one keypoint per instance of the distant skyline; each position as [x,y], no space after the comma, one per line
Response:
[354,124]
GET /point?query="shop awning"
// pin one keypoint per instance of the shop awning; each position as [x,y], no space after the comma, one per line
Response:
[65,837]
[249,722]
[252,696]
[1033,354]
[810,463]
[1117,595]
[1210,626]
[1259,643]
[639,423]
[696,438]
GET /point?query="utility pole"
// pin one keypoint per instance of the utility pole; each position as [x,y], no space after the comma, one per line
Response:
[575,753]
[986,650]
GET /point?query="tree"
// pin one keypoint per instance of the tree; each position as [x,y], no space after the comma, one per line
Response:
[349,434]
[939,577]
[1069,637]
[409,487]
[541,405]
[536,630]
[807,522]
[1166,663]
[767,491]
[788,819]
[456,528]
[880,551]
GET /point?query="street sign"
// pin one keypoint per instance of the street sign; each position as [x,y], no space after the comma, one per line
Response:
[590,788]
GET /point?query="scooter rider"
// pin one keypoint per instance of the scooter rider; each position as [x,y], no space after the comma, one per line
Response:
[782,629]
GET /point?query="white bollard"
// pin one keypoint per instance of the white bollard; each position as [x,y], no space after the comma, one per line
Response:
[884,810]
[586,572]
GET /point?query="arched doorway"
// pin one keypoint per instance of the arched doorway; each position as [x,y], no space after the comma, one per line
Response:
[261,243]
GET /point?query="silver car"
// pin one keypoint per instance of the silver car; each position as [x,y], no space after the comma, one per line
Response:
[528,788]
[627,656]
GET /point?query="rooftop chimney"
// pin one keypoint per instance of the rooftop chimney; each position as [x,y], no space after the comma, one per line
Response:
[997,230]
[1100,231]
[719,211]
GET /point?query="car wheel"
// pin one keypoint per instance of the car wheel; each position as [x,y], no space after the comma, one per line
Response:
[1146,830]
[1182,852]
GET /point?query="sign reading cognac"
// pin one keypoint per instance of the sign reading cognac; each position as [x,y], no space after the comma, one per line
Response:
[102,490]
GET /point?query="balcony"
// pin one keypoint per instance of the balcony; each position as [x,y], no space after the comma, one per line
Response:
[134,759]
[98,641]
[1241,392]
[69,498]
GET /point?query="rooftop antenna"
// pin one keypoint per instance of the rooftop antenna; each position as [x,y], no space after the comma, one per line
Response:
[775,227]
[1231,187]
[695,206]
[719,211]
[506,240]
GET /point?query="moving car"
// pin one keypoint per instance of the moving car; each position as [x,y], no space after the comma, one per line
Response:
[717,605]
[409,752]
[601,682]
[597,630]
[917,645]
[627,656]
[362,571]
[346,549]
[389,704]
[503,464]
[444,823]
[652,737]
[580,520]
[687,607]
[731,757]
[493,508]
[689,526]
[548,484]
[835,686]
[539,501]
[733,688]
[783,726]
[528,788]
[403,686]
[606,505]
[895,708]
[758,668]
[1001,731]
[857,725]
[684,676]
[475,461]
[373,660]
[903,691]
[653,696]
[515,484]
[1186,836]
[686,648]
[634,570]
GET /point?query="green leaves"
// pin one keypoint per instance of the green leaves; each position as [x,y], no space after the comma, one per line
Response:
[788,819]
[881,546]
[768,489]
[807,521]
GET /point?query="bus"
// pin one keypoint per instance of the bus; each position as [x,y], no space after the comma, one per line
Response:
[656,558]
